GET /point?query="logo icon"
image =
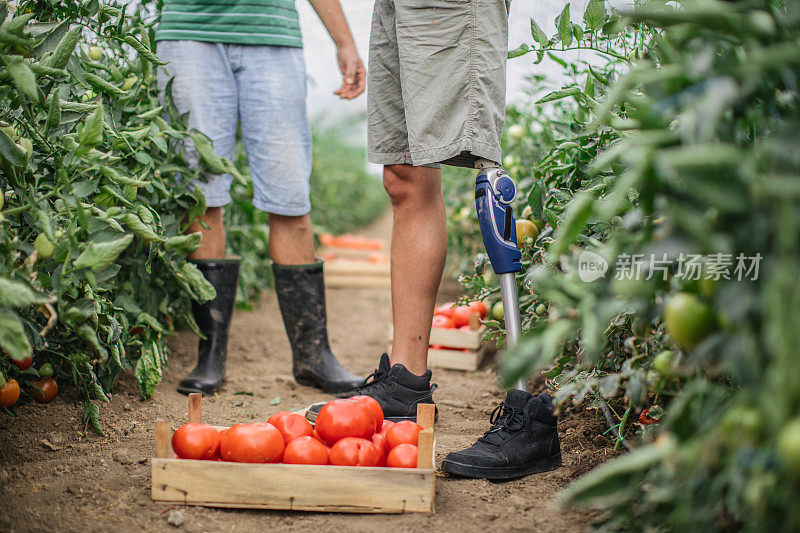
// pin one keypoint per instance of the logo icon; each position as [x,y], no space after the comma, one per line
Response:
[591,266]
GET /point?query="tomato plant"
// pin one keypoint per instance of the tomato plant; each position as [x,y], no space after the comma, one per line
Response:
[196,441]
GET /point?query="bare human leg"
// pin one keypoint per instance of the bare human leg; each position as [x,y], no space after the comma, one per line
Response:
[419,250]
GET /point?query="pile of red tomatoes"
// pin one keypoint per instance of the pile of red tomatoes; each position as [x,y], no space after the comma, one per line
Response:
[348,432]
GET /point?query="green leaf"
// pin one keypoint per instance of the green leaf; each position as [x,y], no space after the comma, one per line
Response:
[144,51]
[66,46]
[204,147]
[190,277]
[564,26]
[98,256]
[91,416]
[91,131]
[595,14]
[13,340]
[148,370]
[22,76]
[576,215]
[558,95]
[17,294]
[538,34]
[184,244]
[139,228]
[102,85]
[53,112]
[521,50]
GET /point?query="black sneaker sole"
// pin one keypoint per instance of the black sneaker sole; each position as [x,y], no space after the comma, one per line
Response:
[494,473]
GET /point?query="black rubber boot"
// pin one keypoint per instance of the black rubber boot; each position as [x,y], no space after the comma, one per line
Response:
[523,440]
[214,320]
[301,296]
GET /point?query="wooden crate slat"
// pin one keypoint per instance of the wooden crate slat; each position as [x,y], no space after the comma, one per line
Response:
[355,268]
[456,359]
[293,487]
[453,338]
[357,282]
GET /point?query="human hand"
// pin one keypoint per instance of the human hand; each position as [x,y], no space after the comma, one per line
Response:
[354,76]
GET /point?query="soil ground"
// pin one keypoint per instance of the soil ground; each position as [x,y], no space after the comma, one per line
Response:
[56,475]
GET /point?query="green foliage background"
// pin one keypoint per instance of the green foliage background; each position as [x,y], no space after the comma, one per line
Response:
[682,143]
[93,273]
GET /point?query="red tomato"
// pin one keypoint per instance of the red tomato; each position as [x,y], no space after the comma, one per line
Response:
[316,436]
[9,393]
[45,390]
[352,451]
[441,321]
[478,307]
[260,442]
[402,456]
[196,441]
[461,315]
[385,426]
[291,425]
[24,364]
[374,407]
[305,451]
[405,432]
[444,310]
[465,328]
[379,440]
[343,418]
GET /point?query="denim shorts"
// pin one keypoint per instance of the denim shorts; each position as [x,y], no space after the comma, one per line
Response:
[260,86]
[437,81]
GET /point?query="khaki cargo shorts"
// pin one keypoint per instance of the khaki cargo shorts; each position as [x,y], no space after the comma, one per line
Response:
[437,81]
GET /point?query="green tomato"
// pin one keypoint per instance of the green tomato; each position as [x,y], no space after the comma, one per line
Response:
[488,277]
[663,362]
[541,309]
[44,248]
[688,320]
[46,370]
[498,313]
[789,445]
[27,147]
[11,131]
[516,132]
[95,52]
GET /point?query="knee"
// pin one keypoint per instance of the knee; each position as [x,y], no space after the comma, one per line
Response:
[298,224]
[406,184]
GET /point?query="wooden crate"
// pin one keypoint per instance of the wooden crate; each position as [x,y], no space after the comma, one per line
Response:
[469,352]
[349,274]
[345,489]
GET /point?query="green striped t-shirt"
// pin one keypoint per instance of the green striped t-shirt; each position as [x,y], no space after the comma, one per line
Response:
[272,22]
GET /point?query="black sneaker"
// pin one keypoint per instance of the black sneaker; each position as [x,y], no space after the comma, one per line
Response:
[397,390]
[522,440]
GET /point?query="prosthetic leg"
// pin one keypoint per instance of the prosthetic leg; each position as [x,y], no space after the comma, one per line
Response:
[494,192]
[522,439]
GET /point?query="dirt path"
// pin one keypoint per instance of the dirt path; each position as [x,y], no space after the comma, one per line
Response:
[55,476]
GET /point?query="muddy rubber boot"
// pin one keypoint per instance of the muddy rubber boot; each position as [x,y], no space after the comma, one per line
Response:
[214,320]
[301,296]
